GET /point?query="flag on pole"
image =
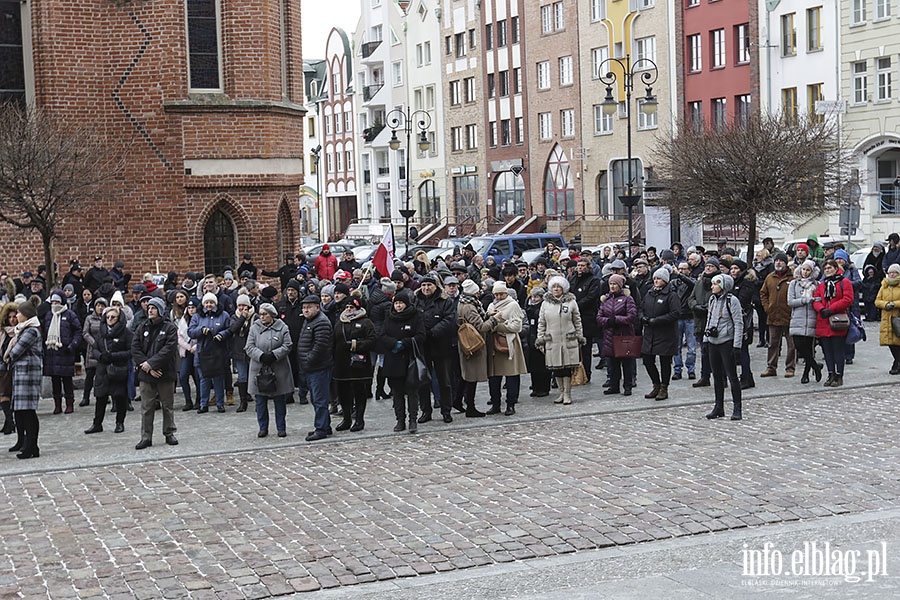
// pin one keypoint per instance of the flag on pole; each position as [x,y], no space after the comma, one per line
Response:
[384,254]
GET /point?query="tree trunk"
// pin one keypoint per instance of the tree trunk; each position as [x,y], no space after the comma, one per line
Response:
[751,241]
[49,262]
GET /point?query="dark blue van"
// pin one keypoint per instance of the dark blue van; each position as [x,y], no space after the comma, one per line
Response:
[502,247]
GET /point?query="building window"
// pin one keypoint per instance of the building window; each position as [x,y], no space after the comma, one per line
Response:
[490,85]
[397,73]
[501,33]
[348,159]
[509,195]
[742,44]
[814,29]
[719,113]
[460,45]
[520,130]
[517,80]
[448,45]
[472,39]
[514,29]
[598,56]
[503,83]
[559,186]
[505,132]
[692,3]
[644,48]
[423,54]
[12,51]
[204,45]
[788,35]
[860,83]
[598,10]
[429,97]
[695,53]
[470,89]
[565,71]
[465,191]
[327,121]
[789,105]
[858,12]
[348,122]
[547,19]
[492,134]
[456,137]
[813,95]
[883,73]
[543,75]
[567,122]
[338,123]
[647,121]
[545,126]
[603,123]
[489,36]
[558,19]
[742,109]
[695,115]
[717,48]
[471,136]
[429,201]
[882,9]
[454,93]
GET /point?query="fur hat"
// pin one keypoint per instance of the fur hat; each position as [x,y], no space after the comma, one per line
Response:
[560,281]
[388,286]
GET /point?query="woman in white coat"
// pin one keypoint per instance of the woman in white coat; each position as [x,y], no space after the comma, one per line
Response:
[560,335]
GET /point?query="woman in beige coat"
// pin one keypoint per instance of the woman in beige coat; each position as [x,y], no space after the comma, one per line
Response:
[504,349]
[560,335]
[473,368]
[888,301]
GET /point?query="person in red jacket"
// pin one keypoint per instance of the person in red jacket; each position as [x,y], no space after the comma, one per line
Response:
[833,296]
[326,264]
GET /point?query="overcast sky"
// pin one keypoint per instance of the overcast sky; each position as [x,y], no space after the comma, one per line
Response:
[319,16]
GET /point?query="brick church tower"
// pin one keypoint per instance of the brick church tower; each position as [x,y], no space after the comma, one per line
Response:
[209,96]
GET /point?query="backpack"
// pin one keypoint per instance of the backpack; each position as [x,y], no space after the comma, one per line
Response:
[470,339]
[747,317]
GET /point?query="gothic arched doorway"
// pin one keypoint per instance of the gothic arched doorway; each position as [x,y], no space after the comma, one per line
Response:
[219,242]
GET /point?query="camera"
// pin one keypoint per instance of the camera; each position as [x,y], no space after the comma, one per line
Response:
[712,332]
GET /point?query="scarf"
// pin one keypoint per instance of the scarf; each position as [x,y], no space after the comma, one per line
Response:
[32,322]
[53,340]
[831,285]
[472,300]
[512,313]
[11,335]
[807,285]
[891,281]
[347,317]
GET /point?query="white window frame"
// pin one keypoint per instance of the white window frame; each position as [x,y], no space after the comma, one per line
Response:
[695,114]
[647,121]
[545,126]
[567,122]
[717,52]
[644,47]
[603,123]
[598,10]
[546,19]
[860,82]
[456,139]
[884,91]
[719,112]
[559,16]
[453,93]
[469,83]
[566,73]
[397,73]
[695,46]
[598,57]
[520,130]
[742,44]
[882,9]
[857,12]
[543,75]
[471,136]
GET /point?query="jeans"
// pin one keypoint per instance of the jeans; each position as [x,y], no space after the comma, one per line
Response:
[439,367]
[319,383]
[262,412]
[512,387]
[686,336]
[242,366]
[215,383]
[186,372]
[834,347]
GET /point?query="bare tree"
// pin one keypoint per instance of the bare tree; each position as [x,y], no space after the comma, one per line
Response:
[763,168]
[46,169]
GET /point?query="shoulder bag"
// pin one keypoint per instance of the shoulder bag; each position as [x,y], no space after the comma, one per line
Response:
[417,375]
[839,322]
[470,339]
[627,346]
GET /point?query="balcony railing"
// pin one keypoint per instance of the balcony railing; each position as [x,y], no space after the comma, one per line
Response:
[889,202]
[369,47]
[370,133]
[370,90]
[384,171]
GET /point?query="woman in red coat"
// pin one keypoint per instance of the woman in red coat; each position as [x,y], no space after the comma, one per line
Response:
[833,296]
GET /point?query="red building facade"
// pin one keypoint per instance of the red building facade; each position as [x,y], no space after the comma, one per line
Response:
[207,95]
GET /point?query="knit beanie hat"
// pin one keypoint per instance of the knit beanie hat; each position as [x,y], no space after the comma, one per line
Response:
[661,274]
[209,296]
[243,300]
[469,287]
[388,286]
[617,279]
[27,309]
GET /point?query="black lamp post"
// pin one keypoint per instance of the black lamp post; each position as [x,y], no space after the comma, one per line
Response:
[648,104]
[403,119]
[317,154]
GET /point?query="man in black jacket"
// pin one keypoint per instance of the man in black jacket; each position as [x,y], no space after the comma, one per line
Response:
[439,316]
[315,356]
[154,351]
[586,289]
[290,311]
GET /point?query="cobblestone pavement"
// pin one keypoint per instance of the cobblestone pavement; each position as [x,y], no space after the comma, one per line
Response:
[292,518]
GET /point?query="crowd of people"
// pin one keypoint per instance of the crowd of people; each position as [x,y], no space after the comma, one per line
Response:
[335,333]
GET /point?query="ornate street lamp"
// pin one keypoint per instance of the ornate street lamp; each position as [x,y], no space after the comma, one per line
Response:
[648,105]
[403,120]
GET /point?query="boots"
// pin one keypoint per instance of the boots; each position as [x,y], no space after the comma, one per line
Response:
[895,368]
[359,416]
[566,384]
[9,423]
[242,391]
[229,398]
[70,406]
[718,410]
[838,381]
[663,392]
[805,378]
[654,392]
[380,394]
[830,380]
[736,414]
[561,386]
[85,400]
[347,412]
[747,381]
[57,406]
[99,413]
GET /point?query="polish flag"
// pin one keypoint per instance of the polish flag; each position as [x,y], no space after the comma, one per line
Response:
[384,254]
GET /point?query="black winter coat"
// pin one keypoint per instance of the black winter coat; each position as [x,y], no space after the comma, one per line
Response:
[586,289]
[404,326]
[315,349]
[379,307]
[356,337]
[439,318]
[61,362]
[292,315]
[660,335]
[117,342]
[156,343]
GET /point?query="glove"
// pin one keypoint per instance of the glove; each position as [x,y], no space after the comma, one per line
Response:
[645,321]
[218,337]
[736,352]
[267,358]
[398,347]
[602,321]
[889,306]
[825,312]
[206,331]
[106,357]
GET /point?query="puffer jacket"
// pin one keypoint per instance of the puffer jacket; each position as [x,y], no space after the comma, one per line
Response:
[315,346]
[60,362]
[89,332]
[888,293]
[726,315]
[215,352]
[117,341]
[378,307]
[353,336]
[615,317]
[803,315]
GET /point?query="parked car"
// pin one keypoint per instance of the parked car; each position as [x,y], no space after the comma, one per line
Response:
[453,242]
[337,248]
[364,253]
[791,245]
[502,247]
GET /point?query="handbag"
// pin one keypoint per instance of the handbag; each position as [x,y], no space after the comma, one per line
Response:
[117,373]
[839,322]
[470,339]
[579,377]
[895,325]
[856,333]
[266,381]
[626,346]
[417,374]
[501,344]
